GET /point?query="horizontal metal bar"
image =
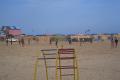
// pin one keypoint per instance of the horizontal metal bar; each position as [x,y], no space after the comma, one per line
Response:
[66,68]
[51,66]
[49,50]
[49,54]
[67,49]
[65,58]
[66,52]
[45,58]
[67,74]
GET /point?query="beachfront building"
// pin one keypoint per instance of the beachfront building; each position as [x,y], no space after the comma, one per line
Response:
[101,37]
[81,38]
[14,32]
[11,32]
[78,36]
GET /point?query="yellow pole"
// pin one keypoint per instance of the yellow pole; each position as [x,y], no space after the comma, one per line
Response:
[35,66]
[74,65]
[78,78]
[57,57]
[46,67]
[60,66]
[35,69]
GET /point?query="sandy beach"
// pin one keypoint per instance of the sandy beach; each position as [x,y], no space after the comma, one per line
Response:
[97,61]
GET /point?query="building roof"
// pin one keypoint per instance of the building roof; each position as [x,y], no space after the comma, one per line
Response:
[14,32]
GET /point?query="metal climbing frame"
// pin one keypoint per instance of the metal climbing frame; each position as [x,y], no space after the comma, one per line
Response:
[59,56]
[47,55]
[66,55]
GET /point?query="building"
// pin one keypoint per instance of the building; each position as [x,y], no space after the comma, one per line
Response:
[14,32]
[10,32]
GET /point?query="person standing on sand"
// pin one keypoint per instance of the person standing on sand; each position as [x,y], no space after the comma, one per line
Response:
[7,41]
[22,42]
[50,41]
[56,42]
[11,41]
[19,41]
[29,41]
[116,42]
[112,41]
[69,41]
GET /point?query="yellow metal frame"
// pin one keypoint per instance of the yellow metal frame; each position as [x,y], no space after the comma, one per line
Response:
[35,67]
[75,64]
[58,63]
[36,64]
[35,70]
[46,68]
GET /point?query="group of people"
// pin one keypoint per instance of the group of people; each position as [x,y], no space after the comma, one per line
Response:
[114,42]
[56,42]
[21,41]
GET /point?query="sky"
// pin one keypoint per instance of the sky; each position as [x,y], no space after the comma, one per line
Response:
[61,16]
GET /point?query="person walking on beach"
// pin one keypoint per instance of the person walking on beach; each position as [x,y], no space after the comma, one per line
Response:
[116,42]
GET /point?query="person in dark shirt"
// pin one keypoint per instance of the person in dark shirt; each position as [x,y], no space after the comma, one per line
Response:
[112,41]
[116,42]
[56,42]
[22,42]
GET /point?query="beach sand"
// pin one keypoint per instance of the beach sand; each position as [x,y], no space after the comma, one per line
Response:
[97,61]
